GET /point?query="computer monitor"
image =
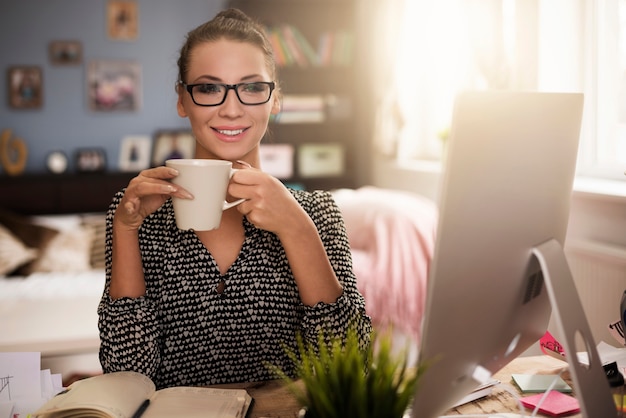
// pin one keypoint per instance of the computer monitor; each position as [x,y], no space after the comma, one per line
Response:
[499,269]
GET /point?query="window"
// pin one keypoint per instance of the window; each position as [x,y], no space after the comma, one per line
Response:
[604,137]
[547,45]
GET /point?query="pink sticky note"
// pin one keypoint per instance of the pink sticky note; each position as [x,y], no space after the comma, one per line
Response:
[556,404]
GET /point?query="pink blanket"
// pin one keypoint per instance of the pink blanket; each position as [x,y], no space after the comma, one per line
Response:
[392,236]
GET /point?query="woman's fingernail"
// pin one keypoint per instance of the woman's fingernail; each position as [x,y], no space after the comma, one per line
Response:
[243,163]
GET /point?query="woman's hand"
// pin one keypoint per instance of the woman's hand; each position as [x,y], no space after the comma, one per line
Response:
[269,205]
[145,194]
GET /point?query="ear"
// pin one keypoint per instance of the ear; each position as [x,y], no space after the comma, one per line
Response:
[180,107]
[275,105]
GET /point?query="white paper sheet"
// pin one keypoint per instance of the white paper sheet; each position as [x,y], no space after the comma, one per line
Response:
[20,376]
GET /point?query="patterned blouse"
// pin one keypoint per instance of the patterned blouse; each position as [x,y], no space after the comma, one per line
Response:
[197,327]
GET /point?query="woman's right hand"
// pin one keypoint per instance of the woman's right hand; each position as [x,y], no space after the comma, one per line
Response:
[145,194]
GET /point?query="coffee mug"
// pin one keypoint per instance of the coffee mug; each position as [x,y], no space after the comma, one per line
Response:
[207,180]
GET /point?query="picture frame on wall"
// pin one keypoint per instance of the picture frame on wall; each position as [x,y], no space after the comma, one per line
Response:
[25,87]
[135,153]
[65,52]
[114,85]
[122,20]
[170,144]
[90,160]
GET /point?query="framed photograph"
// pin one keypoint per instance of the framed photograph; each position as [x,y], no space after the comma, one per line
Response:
[65,52]
[321,160]
[25,87]
[277,159]
[114,85]
[135,153]
[172,144]
[90,160]
[122,20]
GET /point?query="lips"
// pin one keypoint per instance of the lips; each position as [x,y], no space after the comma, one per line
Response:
[230,134]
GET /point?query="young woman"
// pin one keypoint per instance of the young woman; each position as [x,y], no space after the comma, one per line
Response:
[209,307]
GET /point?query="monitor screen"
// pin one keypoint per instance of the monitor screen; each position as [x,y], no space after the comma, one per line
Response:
[506,190]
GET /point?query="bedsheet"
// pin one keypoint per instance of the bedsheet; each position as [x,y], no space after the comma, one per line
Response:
[392,238]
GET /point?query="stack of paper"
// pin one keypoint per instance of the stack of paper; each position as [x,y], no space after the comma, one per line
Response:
[24,387]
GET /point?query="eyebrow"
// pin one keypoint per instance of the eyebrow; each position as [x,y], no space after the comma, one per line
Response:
[219,80]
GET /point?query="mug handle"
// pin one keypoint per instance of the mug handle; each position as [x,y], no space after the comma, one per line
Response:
[228,205]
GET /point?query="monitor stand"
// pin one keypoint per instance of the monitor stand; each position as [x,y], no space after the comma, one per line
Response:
[590,382]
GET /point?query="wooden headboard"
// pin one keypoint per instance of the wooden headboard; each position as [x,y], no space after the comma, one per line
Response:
[40,194]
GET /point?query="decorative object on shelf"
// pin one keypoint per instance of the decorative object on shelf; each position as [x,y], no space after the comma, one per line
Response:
[169,144]
[57,162]
[25,87]
[321,160]
[65,52]
[302,108]
[91,160]
[122,20]
[277,160]
[135,153]
[13,153]
[114,85]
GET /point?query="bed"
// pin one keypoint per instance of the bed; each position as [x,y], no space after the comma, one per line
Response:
[53,229]
[52,266]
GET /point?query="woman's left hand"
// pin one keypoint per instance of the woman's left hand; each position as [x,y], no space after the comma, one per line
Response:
[269,205]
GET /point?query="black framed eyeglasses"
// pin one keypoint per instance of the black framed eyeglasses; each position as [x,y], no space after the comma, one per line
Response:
[214,94]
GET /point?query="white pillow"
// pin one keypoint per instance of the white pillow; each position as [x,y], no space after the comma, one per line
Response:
[13,252]
[68,251]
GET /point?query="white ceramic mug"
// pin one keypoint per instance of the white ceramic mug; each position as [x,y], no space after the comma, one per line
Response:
[207,180]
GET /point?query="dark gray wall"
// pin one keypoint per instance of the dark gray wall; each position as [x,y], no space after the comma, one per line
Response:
[65,122]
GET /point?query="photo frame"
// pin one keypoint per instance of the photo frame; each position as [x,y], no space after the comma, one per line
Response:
[65,52]
[122,20]
[90,160]
[277,160]
[135,153]
[321,160]
[114,85]
[169,144]
[25,87]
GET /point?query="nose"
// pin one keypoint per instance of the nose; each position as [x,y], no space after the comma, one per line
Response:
[231,106]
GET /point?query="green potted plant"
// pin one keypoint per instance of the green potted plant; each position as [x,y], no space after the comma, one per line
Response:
[342,380]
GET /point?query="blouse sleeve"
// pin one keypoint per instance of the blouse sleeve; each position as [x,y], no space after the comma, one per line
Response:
[128,326]
[348,311]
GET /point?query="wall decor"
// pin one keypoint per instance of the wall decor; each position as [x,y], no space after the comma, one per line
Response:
[65,52]
[25,87]
[13,153]
[114,85]
[135,153]
[172,144]
[90,160]
[122,20]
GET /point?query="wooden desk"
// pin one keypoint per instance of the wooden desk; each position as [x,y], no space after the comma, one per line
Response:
[273,399]
[501,400]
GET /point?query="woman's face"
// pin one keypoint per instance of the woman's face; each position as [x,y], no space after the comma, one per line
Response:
[231,131]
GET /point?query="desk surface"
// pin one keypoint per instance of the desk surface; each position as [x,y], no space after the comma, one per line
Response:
[273,399]
[501,400]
